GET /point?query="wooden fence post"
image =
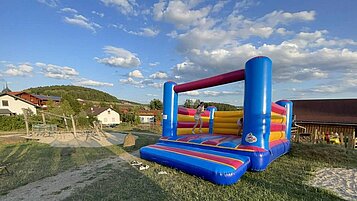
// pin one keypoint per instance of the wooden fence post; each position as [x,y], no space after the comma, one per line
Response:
[43,119]
[74,126]
[315,137]
[65,122]
[342,139]
[353,140]
[26,121]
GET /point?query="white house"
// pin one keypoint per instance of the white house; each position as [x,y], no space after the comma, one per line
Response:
[146,117]
[105,115]
[10,104]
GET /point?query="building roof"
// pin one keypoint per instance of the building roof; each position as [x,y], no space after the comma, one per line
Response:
[337,111]
[97,110]
[46,98]
[18,98]
[6,89]
[15,93]
[5,111]
[149,112]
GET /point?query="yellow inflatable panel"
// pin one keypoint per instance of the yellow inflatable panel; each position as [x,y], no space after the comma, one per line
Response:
[278,119]
[188,118]
[276,135]
[276,114]
[226,120]
[228,113]
[225,131]
[225,125]
[184,131]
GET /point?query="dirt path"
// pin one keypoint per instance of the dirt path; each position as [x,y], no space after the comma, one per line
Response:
[62,185]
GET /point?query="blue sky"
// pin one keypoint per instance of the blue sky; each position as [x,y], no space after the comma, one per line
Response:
[129,48]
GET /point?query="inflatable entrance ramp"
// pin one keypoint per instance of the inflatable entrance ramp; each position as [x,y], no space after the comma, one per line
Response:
[215,166]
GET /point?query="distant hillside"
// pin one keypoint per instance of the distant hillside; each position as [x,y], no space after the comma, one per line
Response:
[77,92]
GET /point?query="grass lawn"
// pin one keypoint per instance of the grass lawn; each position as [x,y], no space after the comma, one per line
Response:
[31,161]
[283,180]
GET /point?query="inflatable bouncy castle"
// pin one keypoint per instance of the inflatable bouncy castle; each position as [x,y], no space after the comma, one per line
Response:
[220,154]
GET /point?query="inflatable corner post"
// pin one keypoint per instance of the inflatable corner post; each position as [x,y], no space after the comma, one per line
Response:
[218,152]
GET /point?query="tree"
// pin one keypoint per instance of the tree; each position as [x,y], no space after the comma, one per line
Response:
[188,103]
[155,104]
[75,105]
[196,103]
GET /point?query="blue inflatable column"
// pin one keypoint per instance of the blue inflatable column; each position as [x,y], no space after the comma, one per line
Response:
[289,116]
[257,102]
[211,110]
[169,117]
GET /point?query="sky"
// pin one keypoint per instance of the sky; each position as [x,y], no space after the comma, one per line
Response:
[129,48]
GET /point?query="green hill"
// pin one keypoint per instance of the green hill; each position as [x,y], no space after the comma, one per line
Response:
[76,92]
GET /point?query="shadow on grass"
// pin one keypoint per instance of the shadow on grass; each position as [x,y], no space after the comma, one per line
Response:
[126,183]
[32,161]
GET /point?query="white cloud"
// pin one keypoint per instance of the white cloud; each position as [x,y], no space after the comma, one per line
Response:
[192,93]
[218,7]
[69,10]
[131,81]
[58,72]
[97,13]
[156,85]
[154,64]
[19,70]
[141,83]
[136,73]
[119,57]
[159,75]
[211,93]
[87,82]
[50,3]
[80,20]
[147,32]
[180,13]
[283,31]
[126,7]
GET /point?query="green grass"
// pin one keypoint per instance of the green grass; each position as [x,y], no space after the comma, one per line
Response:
[32,161]
[285,179]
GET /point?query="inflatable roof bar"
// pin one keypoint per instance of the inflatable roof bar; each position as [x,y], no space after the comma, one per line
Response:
[211,81]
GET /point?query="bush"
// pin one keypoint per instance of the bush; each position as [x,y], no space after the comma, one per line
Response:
[10,123]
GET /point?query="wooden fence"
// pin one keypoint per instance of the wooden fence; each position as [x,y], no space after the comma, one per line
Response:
[310,128]
[324,134]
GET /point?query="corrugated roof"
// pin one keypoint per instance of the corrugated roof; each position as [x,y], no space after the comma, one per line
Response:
[5,111]
[43,97]
[326,110]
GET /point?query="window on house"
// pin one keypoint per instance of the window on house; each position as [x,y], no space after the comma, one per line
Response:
[108,111]
[113,119]
[5,103]
[105,119]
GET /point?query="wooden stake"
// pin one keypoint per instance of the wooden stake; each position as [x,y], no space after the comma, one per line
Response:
[74,126]
[354,144]
[43,119]
[315,136]
[26,122]
[65,122]
[342,140]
